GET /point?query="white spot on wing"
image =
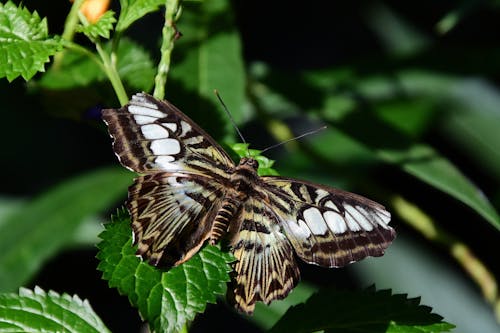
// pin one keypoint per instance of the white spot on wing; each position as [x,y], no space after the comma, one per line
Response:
[172,181]
[154,131]
[145,111]
[351,222]
[171,126]
[299,229]
[164,162]
[141,100]
[360,218]
[141,120]
[185,127]
[382,217]
[194,140]
[315,221]
[331,205]
[165,147]
[320,194]
[335,222]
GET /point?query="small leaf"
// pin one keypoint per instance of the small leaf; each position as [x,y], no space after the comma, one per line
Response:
[362,311]
[165,299]
[34,233]
[132,10]
[25,45]
[100,28]
[38,311]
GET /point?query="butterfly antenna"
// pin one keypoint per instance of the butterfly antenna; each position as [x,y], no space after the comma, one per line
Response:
[230,116]
[294,138]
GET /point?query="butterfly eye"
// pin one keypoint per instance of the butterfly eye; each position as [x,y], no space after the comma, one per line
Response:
[253,163]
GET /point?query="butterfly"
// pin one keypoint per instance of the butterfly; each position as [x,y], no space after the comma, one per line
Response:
[189,192]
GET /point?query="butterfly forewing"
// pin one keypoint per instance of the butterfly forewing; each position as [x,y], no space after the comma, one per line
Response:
[327,226]
[191,191]
[151,135]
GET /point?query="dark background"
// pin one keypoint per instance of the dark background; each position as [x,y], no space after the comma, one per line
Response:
[41,149]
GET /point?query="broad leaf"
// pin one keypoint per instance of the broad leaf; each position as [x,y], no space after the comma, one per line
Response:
[43,226]
[101,28]
[132,10]
[25,45]
[362,311]
[38,311]
[167,300]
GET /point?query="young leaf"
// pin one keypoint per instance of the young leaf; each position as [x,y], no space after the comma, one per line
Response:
[25,45]
[132,10]
[38,311]
[165,299]
[100,28]
[362,311]
[43,226]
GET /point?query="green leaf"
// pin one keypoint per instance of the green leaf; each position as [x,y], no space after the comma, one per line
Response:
[208,57]
[165,299]
[362,311]
[132,10]
[101,28]
[25,45]
[43,226]
[38,311]
[135,66]
[77,70]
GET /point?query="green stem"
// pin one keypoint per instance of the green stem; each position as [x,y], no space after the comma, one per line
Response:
[69,29]
[169,33]
[80,49]
[109,67]
[112,74]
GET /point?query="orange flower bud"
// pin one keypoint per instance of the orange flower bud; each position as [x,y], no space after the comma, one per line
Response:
[93,9]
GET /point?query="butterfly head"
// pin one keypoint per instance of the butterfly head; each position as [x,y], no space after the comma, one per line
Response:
[249,162]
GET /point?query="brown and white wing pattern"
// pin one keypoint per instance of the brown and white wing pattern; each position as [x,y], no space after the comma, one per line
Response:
[327,226]
[152,135]
[173,204]
[265,267]
[172,215]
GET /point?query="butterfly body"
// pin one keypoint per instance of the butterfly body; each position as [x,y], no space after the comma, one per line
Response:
[190,192]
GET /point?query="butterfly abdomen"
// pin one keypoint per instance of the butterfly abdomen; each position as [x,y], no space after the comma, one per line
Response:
[241,182]
[226,213]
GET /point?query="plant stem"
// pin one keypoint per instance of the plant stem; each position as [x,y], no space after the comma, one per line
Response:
[69,29]
[169,33]
[112,74]
[109,66]
[479,273]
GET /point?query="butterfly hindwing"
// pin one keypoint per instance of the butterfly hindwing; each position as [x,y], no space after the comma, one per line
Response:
[172,215]
[265,267]
[152,135]
[327,226]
